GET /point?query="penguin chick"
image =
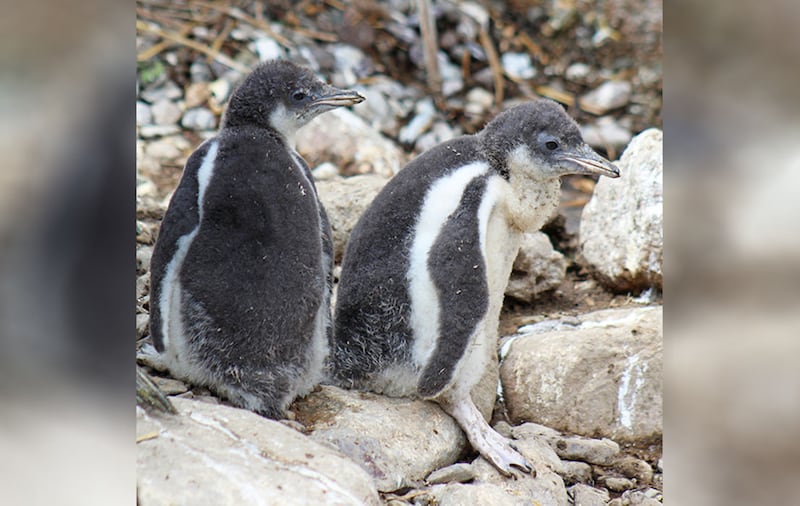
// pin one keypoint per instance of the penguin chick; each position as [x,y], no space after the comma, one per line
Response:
[426,266]
[241,270]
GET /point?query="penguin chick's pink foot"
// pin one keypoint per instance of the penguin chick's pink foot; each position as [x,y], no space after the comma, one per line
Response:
[491,445]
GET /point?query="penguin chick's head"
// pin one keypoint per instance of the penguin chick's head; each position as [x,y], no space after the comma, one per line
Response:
[283,96]
[540,139]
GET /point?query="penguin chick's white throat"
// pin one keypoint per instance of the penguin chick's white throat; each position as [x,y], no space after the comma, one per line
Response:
[426,266]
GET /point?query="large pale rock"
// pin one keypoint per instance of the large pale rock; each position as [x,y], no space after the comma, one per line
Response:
[345,200]
[397,441]
[621,233]
[599,378]
[538,268]
[215,454]
[344,139]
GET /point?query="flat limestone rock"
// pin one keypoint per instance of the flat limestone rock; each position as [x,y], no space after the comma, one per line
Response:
[600,376]
[399,442]
[215,454]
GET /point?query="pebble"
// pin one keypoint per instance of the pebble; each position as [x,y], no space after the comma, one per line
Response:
[606,132]
[584,495]
[593,451]
[348,64]
[635,468]
[575,472]
[166,148]
[479,100]
[142,325]
[518,66]
[165,112]
[199,72]
[199,118]
[142,286]
[167,91]
[439,133]
[452,80]
[616,484]
[197,94]
[609,95]
[221,89]
[325,171]
[268,49]
[143,256]
[420,123]
[169,386]
[144,115]
[577,72]
[460,473]
[151,131]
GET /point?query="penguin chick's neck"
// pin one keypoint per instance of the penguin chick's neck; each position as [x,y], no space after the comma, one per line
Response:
[534,197]
[285,123]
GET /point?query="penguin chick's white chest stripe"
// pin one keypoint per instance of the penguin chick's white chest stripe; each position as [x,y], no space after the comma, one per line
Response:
[170,300]
[440,201]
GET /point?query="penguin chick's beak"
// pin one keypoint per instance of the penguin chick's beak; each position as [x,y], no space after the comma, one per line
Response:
[585,161]
[332,98]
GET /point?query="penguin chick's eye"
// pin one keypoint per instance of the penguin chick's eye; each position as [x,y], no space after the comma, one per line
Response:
[551,145]
[298,96]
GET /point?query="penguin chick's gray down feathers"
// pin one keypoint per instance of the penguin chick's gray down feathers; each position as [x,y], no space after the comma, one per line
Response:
[427,264]
[241,270]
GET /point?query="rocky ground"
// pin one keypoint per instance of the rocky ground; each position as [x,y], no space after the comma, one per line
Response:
[581,330]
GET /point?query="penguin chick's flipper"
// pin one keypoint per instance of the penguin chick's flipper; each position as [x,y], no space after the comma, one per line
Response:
[489,443]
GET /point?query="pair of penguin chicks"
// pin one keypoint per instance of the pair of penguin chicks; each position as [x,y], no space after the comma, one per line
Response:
[242,269]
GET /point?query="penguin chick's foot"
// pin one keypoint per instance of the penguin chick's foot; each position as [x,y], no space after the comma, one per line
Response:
[491,445]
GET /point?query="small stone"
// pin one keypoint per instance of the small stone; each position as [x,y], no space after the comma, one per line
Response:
[518,66]
[609,95]
[220,89]
[348,64]
[584,495]
[425,113]
[268,49]
[479,101]
[166,148]
[197,94]
[631,467]
[142,325]
[166,112]
[575,472]
[606,132]
[143,255]
[660,465]
[577,72]
[144,115]
[170,386]
[531,430]
[199,72]
[452,79]
[616,484]
[458,473]
[167,91]
[151,131]
[439,133]
[325,171]
[142,286]
[199,118]
[593,451]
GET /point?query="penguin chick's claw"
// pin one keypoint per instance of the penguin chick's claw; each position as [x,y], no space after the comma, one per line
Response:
[491,445]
